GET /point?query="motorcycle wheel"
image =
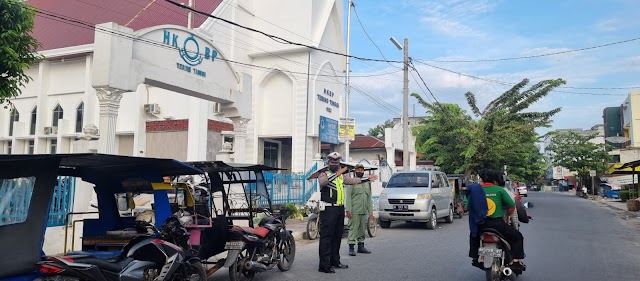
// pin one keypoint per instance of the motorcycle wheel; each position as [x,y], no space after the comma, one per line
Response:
[312,229]
[196,268]
[237,271]
[493,273]
[287,254]
[372,227]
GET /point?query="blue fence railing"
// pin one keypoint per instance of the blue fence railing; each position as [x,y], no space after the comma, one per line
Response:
[16,195]
[290,188]
[62,201]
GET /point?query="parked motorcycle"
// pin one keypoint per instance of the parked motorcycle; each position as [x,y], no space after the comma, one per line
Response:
[253,250]
[145,258]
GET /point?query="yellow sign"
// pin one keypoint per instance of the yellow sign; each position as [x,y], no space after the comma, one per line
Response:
[347,129]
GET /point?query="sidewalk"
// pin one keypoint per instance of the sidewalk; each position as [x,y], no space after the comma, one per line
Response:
[298,227]
[613,203]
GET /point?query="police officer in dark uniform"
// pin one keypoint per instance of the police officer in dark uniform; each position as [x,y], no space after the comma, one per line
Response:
[332,212]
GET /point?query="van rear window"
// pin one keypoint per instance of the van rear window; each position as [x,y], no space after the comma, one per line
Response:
[15,199]
[409,180]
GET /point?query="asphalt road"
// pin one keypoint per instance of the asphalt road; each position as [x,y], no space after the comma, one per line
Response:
[569,239]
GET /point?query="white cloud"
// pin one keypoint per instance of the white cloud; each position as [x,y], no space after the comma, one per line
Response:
[454,18]
[609,25]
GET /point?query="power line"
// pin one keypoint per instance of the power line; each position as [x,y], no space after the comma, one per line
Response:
[541,55]
[82,24]
[423,82]
[277,38]
[504,83]
[370,39]
[375,99]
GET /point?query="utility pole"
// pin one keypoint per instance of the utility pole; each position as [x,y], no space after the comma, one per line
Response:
[348,88]
[189,15]
[405,111]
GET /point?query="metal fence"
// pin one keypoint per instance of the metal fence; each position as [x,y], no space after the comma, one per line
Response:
[290,188]
[62,200]
[15,199]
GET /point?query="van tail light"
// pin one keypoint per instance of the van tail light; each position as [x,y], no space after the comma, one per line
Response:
[489,238]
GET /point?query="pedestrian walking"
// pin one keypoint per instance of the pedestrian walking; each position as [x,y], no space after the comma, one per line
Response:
[332,212]
[358,204]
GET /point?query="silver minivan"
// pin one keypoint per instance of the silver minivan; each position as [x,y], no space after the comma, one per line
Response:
[416,196]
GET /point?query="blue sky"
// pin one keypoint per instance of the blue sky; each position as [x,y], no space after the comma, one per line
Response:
[482,29]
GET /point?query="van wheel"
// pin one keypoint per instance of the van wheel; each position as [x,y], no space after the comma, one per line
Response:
[385,224]
[449,218]
[433,220]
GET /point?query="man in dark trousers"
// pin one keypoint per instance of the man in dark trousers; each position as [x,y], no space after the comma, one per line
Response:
[332,212]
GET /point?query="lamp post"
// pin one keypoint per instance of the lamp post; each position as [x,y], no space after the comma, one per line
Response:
[405,103]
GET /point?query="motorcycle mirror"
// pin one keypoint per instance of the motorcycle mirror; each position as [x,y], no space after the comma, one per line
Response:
[528,205]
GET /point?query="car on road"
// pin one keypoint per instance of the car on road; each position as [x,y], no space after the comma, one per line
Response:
[416,196]
[523,190]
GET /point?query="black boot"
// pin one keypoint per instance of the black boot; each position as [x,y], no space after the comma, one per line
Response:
[352,251]
[362,249]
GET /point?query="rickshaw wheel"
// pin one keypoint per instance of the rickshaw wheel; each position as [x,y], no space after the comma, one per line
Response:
[372,227]
[196,268]
[236,270]
[288,253]
[312,229]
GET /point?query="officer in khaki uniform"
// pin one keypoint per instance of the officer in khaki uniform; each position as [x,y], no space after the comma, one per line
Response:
[358,204]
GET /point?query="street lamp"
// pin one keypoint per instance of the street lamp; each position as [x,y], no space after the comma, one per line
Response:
[405,103]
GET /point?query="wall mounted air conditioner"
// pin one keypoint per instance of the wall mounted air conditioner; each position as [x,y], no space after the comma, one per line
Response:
[152,108]
[50,130]
[217,108]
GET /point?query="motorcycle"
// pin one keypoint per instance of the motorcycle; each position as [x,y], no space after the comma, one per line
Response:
[146,258]
[495,251]
[253,250]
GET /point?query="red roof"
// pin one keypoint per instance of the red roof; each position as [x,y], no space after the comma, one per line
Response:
[57,32]
[364,142]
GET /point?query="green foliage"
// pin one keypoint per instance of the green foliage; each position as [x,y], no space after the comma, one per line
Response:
[625,194]
[378,131]
[503,133]
[292,210]
[577,153]
[444,135]
[17,47]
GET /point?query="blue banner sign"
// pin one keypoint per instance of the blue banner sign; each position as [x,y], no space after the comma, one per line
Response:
[328,130]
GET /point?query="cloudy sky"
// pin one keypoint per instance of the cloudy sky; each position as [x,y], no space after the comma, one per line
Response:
[455,30]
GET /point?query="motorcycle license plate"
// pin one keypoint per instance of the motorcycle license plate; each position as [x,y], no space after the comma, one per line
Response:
[490,252]
[234,245]
[401,207]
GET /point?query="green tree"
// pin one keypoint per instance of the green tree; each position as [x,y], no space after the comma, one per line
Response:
[505,125]
[577,153]
[378,131]
[444,135]
[17,47]
[503,133]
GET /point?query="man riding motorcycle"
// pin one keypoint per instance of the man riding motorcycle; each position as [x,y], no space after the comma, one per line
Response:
[497,199]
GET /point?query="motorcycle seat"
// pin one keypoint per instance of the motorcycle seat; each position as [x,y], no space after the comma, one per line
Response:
[112,265]
[258,231]
[497,233]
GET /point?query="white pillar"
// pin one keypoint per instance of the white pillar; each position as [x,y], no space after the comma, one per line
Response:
[109,99]
[197,134]
[239,139]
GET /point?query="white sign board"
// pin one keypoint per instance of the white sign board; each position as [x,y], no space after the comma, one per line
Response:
[592,173]
[623,180]
[558,173]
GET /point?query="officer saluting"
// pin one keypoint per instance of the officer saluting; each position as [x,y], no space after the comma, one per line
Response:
[332,217]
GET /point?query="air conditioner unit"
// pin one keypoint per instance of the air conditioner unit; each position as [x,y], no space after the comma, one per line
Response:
[50,130]
[152,108]
[217,108]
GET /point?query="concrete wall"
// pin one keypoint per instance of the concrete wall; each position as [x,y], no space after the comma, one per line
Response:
[167,145]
